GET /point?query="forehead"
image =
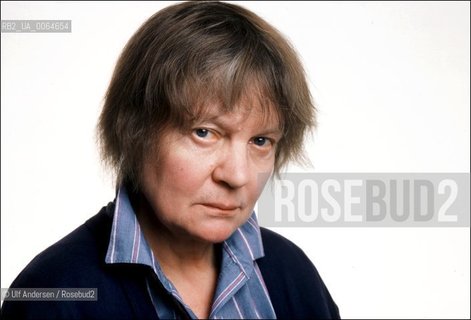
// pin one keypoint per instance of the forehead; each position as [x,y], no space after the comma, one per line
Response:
[252,109]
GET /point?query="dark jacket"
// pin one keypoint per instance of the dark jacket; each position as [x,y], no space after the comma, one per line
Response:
[78,261]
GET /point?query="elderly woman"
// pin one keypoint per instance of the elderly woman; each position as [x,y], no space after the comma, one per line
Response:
[206,103]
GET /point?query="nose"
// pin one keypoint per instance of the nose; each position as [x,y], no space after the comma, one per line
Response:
[233,168]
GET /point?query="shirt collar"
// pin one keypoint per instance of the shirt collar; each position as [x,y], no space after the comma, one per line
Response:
[127,243]
[245,246]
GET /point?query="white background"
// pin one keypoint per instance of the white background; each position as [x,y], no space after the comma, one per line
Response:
[392,85]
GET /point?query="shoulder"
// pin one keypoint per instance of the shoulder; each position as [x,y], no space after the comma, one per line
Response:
[76,261]
[272,240]
[78,252]
[282,254]
[293,282]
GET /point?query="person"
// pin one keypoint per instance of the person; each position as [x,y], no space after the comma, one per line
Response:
[206,103]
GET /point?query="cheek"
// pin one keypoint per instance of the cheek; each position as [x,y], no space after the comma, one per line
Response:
[183,172]
[262,178]
[258,183]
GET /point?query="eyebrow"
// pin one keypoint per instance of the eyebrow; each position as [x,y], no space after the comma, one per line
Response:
[216,119]
[273,131]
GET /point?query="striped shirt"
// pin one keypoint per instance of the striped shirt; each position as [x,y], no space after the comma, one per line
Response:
[240,290]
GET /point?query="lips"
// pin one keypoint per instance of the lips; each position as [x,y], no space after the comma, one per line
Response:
[221,206]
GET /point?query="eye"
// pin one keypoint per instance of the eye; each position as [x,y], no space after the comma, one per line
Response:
[204,136]
[261,141]
[201,132]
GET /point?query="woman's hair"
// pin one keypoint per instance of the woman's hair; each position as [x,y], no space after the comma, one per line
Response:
[186,55]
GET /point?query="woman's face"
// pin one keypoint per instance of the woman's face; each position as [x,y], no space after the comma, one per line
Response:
[204,183]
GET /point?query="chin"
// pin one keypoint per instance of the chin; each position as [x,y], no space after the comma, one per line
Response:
[217,233]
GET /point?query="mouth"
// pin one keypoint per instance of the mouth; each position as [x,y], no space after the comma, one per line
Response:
[221,208]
